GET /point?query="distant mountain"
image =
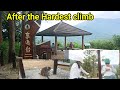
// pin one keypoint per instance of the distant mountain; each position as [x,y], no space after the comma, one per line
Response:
[101,28]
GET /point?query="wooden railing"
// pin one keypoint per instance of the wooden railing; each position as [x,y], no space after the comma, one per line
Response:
[56,63]
[21,67]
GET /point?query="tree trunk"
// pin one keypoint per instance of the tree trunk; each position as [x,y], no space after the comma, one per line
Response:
[21,46]
[1,27]
[11,39]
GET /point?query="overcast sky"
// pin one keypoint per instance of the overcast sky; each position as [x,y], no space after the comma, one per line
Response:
[97,14]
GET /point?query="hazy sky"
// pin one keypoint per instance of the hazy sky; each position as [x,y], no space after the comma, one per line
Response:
[97,14]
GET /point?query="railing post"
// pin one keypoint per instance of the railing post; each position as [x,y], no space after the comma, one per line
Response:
[55,66]
[21,67]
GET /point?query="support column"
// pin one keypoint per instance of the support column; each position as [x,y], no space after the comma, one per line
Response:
[65,43]
[55,45]
[82,42]
[42,38]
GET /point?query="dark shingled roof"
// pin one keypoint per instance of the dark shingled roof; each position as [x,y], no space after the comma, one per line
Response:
[63,29]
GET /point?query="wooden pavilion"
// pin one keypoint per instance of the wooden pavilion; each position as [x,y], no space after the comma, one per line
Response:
[64,30]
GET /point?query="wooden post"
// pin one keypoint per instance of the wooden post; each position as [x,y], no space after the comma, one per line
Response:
[55,66]
[99,64]
[21,67]
[55,45]
[119,64]
[34,48]
[119,58]
[82,42]
[65,42]
[42,38]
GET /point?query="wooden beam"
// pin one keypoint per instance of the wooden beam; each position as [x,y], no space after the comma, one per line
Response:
[65,42]
[55,45]
[42,38]
[82,42]
[99,64]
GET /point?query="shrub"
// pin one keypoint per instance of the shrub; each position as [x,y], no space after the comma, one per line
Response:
[5,47]
[102,44]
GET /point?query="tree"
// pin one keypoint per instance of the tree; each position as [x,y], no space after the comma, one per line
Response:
[1,27]
[90,62]
[11,39]
[116,41]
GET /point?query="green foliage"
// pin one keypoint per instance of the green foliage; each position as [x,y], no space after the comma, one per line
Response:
[5,47]
[76,45]
[87,65]
[112,44]
[60,45]
[5,26]
[90,63]
[102,44]
[116,41]
[118,72]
